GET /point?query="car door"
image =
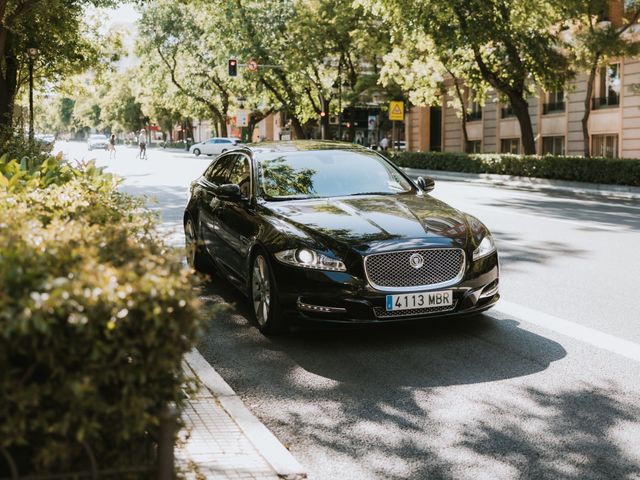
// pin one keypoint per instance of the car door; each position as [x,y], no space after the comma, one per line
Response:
[222,144]
[209,203]
[237,220]
[209,147]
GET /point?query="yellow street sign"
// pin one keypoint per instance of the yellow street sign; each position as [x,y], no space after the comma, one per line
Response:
[396,111]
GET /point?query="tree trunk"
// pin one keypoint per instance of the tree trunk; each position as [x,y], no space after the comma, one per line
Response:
[223,128]
[8,87]
[521,109]
[587,107]
[297,129]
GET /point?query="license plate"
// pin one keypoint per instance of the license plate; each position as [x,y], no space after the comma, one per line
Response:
[409,301]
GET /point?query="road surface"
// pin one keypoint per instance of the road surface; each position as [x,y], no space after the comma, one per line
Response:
[546,385]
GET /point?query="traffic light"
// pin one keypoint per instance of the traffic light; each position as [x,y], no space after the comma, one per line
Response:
[323,114]
[233,67]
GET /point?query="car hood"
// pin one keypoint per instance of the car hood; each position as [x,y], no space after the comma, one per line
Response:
[376,222]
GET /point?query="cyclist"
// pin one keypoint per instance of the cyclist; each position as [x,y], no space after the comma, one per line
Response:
[142,142]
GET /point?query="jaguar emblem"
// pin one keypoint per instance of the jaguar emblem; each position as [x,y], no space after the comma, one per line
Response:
[416,261]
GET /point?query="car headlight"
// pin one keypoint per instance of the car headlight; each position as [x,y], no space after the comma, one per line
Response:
[307,258]
[487,247]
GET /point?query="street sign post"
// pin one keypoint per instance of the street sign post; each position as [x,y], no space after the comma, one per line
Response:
[242,118]
[396,111]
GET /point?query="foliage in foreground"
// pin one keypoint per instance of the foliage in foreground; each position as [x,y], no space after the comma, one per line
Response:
[95,316]
[616,171]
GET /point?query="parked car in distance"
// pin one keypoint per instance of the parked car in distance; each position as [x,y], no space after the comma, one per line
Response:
[214,146]
[332,232]
[97,140]
[47,138]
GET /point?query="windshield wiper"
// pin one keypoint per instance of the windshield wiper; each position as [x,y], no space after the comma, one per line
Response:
[372,193]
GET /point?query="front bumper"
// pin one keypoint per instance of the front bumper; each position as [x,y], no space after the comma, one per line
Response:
[336,297]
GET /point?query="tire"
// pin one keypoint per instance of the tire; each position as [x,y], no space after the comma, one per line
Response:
[264,296]
[196,152]
[196,257]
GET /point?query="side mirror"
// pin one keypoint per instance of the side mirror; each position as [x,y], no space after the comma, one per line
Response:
[427,184]
[229,191]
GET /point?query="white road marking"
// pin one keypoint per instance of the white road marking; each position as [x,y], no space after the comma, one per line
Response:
[574,330]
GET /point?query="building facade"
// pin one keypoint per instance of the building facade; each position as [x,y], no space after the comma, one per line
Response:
[614,123]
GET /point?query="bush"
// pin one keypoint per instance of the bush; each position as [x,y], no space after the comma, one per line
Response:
[96,314]
[617,171]
[181,145]
[14,146]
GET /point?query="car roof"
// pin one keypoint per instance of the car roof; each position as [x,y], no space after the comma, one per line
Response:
[302,146]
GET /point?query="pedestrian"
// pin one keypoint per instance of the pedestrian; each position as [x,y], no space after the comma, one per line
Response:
[142,143]
[112,146]
[384,143]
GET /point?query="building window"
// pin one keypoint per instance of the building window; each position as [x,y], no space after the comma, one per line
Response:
[510,145]
[604,146]
[474,146]
[554,102]
[553,145]
[474,111]
[608,87]
[507,111]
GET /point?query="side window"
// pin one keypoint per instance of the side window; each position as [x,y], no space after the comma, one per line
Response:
[220,171]
[241,175]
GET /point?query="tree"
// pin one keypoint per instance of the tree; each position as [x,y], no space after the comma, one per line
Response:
[56,29]
[65,111]
[186,46]
[592,44]
[509,43]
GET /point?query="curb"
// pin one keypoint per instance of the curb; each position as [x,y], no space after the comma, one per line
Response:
[618,192]
[276,455]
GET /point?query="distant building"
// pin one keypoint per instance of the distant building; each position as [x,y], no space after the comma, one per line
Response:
[614,124]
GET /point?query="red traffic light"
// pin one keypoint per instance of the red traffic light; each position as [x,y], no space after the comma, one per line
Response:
[233,68]
[323,114]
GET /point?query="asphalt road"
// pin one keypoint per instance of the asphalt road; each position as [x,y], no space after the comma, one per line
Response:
[543,386]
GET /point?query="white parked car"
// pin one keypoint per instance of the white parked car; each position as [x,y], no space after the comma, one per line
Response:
[214,146]
[98,141]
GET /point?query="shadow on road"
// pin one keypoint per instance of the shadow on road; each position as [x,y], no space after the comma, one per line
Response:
[440,399]
[620,214]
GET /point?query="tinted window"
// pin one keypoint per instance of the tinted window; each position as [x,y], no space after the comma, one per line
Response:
[220,171]
[241,175]
[328,173]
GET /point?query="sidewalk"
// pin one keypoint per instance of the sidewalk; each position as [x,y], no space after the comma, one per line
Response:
[616,192]
[222,439]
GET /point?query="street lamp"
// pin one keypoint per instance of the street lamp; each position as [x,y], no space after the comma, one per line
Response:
[32,54]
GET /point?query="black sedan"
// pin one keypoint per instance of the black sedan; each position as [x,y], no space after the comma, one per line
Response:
[333,232]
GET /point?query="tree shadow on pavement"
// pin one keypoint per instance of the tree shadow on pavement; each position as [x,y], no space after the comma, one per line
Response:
[625,216]
[445,399]
[515,250]
[169,202]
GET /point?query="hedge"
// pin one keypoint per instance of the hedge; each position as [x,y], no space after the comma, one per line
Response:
[616,171]
[95,316]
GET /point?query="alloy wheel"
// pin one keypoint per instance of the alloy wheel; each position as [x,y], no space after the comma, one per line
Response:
[261,290]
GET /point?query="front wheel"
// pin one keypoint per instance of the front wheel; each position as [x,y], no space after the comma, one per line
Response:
[196,152]
[264,296]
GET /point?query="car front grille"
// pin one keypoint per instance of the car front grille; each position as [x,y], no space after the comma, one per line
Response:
[382,313]
[393,271]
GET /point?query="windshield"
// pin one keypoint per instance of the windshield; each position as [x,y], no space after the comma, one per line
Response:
[327,173]
[98,137]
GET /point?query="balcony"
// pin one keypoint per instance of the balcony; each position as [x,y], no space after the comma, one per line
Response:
[611,101]
[473,116]
[553,107]
[506,112]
